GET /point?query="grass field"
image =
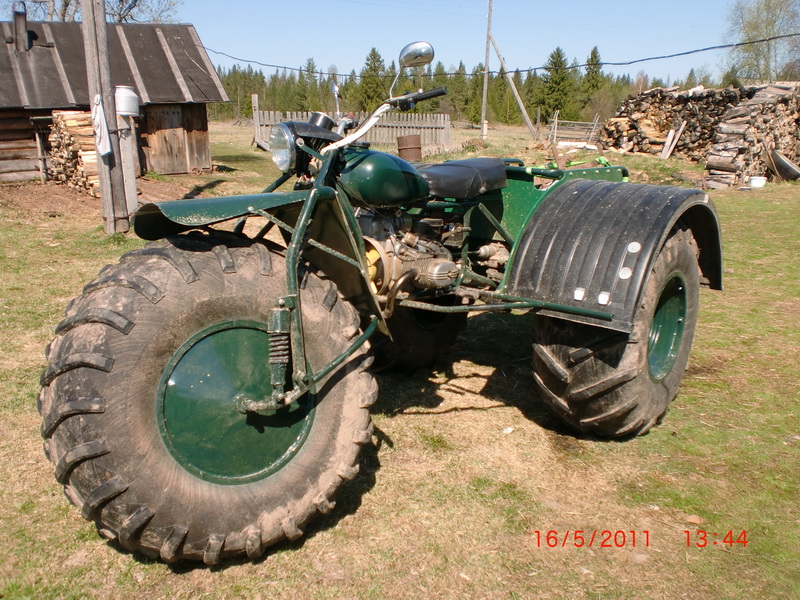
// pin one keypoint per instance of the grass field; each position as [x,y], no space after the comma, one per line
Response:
[469,473]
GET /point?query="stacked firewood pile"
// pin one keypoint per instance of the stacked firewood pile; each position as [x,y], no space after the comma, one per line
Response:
[643,123]
[766,119]
[73,151]
[732,130]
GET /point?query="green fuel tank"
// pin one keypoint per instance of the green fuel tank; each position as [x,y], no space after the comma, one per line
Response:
[380,180]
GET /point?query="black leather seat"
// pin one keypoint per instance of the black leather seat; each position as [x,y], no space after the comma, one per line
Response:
[464,179]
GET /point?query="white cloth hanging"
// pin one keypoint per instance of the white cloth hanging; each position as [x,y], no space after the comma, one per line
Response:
[102,137]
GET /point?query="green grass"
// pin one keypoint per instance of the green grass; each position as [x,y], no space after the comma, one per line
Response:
[469,464]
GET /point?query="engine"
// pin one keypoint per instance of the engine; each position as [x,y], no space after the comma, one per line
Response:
[402,245]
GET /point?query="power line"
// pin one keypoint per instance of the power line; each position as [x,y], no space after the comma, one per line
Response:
[529,69]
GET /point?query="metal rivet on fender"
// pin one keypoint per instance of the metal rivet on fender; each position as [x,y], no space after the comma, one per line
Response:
[603,298]
[579,294]
[634,247]
[625,273]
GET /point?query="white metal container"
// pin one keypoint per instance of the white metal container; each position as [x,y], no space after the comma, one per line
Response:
[126,100]
[758,182]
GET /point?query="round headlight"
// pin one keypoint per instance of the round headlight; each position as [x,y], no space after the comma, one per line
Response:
[281,145]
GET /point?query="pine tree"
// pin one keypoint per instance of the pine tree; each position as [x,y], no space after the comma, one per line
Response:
[475,95]
[372,88]
[308,88]
[593,79]
[457,87]
[558,88]
[442,103]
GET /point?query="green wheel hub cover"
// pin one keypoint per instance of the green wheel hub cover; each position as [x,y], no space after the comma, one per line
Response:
[666,329]
[197,412]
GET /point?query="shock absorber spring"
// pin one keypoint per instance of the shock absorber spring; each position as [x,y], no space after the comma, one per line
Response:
[279,348]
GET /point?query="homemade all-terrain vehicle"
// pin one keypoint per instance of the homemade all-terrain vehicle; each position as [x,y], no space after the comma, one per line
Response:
[207,396]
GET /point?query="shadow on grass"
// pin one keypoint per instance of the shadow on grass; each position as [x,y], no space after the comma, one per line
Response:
[199,189]
[497,344]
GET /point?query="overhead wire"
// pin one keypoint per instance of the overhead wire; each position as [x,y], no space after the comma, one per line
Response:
[529,69]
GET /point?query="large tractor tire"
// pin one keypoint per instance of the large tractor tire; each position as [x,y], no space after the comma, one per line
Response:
[613,385]
[419,337]
[139,402]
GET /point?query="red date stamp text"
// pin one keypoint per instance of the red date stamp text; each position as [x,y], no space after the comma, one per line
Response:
[607,538]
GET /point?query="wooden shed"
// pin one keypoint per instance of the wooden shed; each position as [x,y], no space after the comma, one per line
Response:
[44,69]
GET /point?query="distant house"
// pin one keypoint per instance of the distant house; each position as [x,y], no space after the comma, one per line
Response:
[43,69]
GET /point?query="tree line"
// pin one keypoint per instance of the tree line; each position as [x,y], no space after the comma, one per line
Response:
[578,93]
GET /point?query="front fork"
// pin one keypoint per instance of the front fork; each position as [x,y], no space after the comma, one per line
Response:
[285,329]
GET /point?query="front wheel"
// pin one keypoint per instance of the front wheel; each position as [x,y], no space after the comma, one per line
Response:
[614,385]
[139,402]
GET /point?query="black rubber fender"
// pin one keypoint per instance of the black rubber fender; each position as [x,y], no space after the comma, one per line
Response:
[591,244]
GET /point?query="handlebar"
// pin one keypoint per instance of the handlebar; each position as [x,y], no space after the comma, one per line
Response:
[407,101]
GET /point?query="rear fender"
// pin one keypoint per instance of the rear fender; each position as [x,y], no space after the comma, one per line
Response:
[592,244]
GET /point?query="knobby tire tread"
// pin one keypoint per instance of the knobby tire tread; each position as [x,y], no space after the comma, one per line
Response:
[73,410]
[598,381]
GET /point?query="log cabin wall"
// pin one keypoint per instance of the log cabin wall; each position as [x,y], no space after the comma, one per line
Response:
[19,149]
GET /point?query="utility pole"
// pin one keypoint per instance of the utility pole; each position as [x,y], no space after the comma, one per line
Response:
[98,70]
[484,123]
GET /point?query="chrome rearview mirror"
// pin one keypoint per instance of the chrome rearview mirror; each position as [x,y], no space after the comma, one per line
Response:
[415,54]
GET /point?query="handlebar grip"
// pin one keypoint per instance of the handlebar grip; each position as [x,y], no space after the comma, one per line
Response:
[441,91]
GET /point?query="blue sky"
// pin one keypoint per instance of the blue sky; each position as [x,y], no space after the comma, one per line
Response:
[342,32]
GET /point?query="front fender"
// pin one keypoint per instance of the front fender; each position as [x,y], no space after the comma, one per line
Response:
[157,220]
[592,244]
[333,226]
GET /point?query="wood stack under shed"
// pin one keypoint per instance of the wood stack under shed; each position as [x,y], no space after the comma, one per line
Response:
[73,151]
[732,130]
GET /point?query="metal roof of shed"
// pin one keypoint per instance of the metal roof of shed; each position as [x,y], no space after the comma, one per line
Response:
[164,63]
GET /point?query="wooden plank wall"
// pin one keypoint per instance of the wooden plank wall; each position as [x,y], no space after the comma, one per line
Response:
[175,138]
[434,129]
[19,155]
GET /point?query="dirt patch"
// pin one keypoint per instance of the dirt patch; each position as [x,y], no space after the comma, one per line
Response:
[52,199]
[48,198]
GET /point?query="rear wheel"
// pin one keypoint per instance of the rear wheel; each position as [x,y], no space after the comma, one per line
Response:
[614,385]
[139,402]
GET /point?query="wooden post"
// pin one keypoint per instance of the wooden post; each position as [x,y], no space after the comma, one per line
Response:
[484,123]
[510,80]
[256,119]
[98,70]
[127,146]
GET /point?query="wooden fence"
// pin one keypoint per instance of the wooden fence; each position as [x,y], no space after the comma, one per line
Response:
[434,129]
